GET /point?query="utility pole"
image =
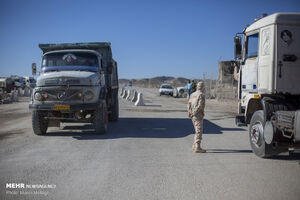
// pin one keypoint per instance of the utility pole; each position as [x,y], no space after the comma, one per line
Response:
[210,82]
[204,81]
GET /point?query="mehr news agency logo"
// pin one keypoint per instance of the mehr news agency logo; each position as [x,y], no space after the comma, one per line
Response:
[12,188]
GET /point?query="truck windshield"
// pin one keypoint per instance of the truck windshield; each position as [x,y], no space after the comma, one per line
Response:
[32,80]
[70,61]
[166,87]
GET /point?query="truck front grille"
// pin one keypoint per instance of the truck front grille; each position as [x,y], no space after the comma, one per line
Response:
[64,94]
[50,82]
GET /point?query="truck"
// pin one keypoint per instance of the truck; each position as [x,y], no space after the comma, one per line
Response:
[78,82]
[267,55]
[7,84]
[30,82]
[18,81]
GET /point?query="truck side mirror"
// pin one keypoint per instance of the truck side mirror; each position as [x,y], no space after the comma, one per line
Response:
[237,48]
[33,66]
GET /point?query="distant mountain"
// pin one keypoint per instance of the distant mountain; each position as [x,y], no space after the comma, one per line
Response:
[155,82]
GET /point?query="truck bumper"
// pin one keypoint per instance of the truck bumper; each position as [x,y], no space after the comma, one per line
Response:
[75,107]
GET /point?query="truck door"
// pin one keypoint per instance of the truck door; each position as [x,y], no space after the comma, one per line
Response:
[288,59]
[249,69]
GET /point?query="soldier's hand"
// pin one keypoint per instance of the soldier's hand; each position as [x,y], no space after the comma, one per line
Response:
[190,115]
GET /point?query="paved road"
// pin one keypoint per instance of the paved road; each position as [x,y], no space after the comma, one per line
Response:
[146,155]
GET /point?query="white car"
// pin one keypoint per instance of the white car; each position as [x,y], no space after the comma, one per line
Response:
[181,91]
[166,89]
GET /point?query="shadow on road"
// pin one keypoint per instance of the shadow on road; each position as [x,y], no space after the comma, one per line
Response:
[291,156]
[141,127]
[153,105]
[228,151]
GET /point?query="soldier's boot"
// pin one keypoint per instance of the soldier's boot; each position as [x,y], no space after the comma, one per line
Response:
[198,149]
[193,147]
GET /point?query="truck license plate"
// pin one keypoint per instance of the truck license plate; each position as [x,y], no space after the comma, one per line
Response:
[61,107]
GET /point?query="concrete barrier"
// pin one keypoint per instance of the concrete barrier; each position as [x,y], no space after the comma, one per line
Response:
[122,91]
[134,96]
[15,95]
[11,96]
[124,94]
[131,95]
[20,92]
[27,92]
[139,101]
[128,95]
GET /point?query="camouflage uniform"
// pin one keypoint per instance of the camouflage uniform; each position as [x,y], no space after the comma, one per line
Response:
[196,106]
[193,86]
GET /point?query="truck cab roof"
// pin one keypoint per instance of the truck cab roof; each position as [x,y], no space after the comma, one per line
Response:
[74,50]
[277,18]
[102,48]
[83,45]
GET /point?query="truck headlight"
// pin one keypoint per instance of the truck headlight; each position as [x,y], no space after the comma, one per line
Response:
[88,95]
[38,96]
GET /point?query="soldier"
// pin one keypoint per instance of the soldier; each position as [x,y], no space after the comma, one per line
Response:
[193,86]
[196,106]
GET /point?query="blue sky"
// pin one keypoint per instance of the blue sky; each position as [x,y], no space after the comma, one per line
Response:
[149,38]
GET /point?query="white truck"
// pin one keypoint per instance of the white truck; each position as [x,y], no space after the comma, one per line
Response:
[268,71]
[78,83]
[30,82]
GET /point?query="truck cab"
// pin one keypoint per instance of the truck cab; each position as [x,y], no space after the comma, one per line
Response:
[268,61]
[78,82]
[30,82]
[7,84]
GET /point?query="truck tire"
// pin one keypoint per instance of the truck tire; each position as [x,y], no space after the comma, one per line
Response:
[39,124]
[114,116]
[100,118]
[256,135]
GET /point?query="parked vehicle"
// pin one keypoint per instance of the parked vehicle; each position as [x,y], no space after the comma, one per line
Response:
[182,91]
[30,82]
[165,89]
[269,92]
[19,82]
[7,84]
[78,83]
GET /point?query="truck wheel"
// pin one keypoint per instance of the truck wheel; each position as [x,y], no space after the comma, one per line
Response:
[256,135]
[114,116]
[100,118]
[39,124]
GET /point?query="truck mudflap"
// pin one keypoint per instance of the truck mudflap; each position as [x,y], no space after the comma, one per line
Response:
[240,120]
[297,126]
[64,107]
